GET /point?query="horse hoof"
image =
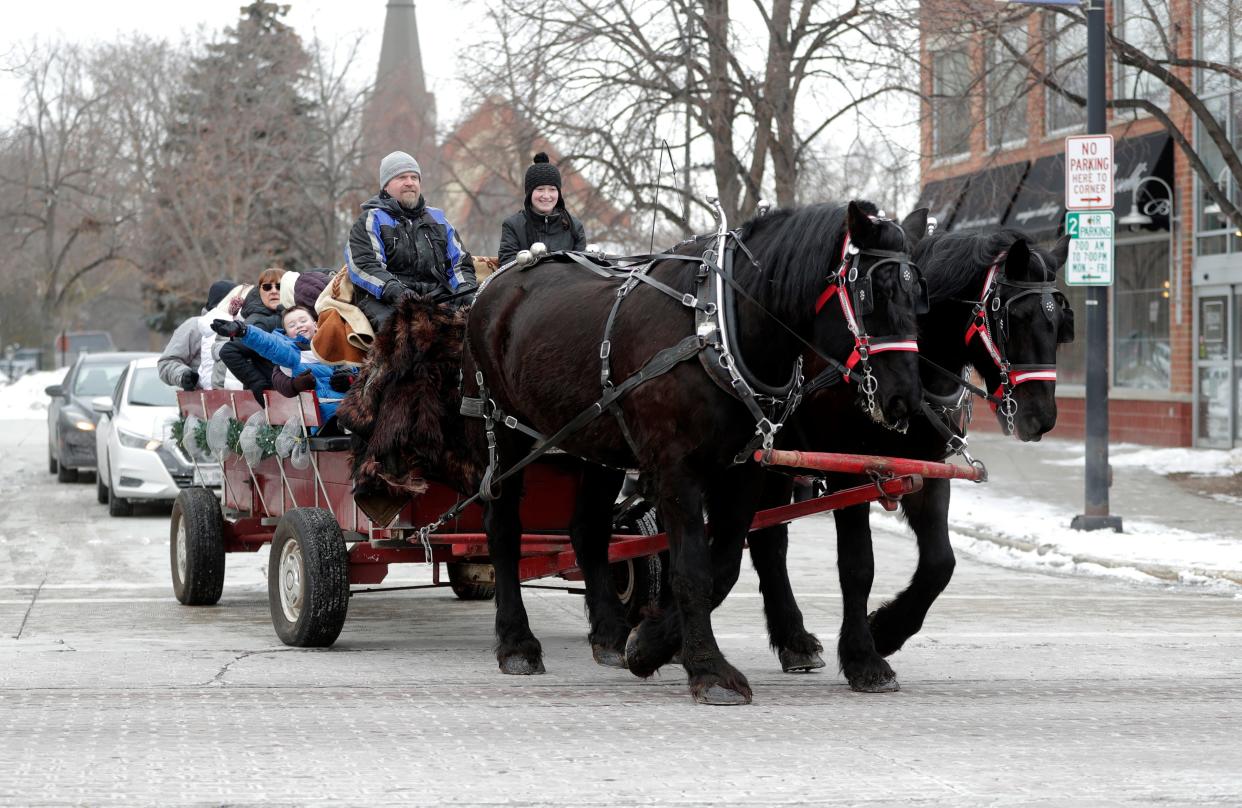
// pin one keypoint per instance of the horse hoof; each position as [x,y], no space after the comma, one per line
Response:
[886,685]
[720,696]
[608,657]
[798,662]
[521,666]
[676,659]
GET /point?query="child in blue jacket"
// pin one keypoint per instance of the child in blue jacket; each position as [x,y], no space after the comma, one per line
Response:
[291,350]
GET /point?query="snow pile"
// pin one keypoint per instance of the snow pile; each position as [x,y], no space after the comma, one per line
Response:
[1208,462]
[24,399]
[1042,539]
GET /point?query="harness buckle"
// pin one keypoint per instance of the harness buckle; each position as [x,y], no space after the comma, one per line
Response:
[510,422]
[689,300]
[605,348]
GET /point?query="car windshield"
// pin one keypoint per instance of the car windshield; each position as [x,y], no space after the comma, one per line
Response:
[88,343]
[97,380]
[148,390]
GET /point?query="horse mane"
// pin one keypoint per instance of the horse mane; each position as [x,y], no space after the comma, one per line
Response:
[954,263]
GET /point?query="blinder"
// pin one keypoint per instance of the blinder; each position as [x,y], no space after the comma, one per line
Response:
[860,285]
[1051,302]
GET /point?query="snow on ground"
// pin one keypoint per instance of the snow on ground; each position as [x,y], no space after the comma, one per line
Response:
[1042,539]
[1208,462]
[24,399]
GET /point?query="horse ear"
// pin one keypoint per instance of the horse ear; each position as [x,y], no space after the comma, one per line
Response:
[1061,251]
[1018,261]
[915,226]
[858,224]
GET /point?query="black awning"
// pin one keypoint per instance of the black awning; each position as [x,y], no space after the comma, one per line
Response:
[941,199]
[1139,157]
[989,196]
[1040,204]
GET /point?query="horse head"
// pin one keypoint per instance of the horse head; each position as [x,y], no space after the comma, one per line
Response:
[880,292]
[1021,319]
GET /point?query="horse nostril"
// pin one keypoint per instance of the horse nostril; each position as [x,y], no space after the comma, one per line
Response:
[898,409]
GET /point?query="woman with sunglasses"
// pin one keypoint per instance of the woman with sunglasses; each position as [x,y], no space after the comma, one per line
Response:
[261,309]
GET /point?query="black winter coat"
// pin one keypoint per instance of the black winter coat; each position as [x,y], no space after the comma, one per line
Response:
[526,227]
[256,314]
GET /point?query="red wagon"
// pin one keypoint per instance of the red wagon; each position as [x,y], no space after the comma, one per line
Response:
[326,549]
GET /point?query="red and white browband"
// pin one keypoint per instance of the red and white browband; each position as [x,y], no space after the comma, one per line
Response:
[863,345]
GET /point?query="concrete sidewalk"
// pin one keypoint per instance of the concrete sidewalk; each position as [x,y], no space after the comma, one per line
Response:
[1034,489]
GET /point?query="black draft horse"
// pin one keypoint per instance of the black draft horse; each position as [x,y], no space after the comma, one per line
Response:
[534,339]
[1024,319]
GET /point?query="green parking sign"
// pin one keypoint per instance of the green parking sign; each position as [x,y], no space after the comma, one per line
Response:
[1090,260]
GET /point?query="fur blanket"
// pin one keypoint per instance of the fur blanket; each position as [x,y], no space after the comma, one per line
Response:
[403,409]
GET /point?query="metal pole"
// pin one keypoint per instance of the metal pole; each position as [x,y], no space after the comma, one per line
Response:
[1095,514]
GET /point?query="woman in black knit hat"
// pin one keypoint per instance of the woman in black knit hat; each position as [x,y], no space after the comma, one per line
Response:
[543,216]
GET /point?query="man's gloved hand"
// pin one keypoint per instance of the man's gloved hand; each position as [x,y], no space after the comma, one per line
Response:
[393,291]
[304,381]
[189,380]
[233,329]
[342,379]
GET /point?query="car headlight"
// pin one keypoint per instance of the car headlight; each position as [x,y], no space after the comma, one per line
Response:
[77,419]
[136,441]
[82,425]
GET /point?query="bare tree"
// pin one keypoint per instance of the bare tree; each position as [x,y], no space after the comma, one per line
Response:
[65,211]
[742,98]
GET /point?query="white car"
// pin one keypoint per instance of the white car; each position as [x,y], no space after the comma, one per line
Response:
[134,463]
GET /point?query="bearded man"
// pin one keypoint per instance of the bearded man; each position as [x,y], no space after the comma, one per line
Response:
[400,246]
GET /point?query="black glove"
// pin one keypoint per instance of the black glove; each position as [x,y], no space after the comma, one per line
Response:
[189,380]
[342,379]
[304,381]
[393,291]
[233,329]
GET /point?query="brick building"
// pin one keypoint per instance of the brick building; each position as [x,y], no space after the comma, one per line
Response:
[993,154]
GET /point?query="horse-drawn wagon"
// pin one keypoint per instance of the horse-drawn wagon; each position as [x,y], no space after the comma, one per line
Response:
[325,549]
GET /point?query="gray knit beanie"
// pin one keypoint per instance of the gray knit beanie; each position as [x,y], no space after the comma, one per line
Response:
[395,164]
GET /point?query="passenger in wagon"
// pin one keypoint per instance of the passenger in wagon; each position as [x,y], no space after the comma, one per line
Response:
[292,353]
[401,246]
[260,309]
[543,217]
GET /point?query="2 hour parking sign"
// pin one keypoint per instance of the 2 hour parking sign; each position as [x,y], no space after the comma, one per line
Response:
[1090,249]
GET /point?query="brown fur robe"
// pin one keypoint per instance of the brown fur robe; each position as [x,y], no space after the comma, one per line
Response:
[403,408]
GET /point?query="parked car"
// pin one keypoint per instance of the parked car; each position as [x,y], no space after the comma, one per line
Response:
[70,419]
[134,461]
[72,344]
[17,362]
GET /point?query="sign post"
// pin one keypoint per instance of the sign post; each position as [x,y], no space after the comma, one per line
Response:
[1089,187]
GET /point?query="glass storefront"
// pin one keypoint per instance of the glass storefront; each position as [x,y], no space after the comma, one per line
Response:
[1218,366]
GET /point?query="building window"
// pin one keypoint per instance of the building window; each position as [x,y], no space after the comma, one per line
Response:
[1072,357]
[1141,350]
[1145,25]
[1219,42]
[951,80]
[1066,57]
[1006,89]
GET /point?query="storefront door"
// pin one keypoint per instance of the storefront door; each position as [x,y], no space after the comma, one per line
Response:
[1217,365]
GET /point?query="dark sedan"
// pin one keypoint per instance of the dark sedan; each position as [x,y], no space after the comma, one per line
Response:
[70,419]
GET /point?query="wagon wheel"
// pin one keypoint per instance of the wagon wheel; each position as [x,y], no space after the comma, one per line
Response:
[642,583]
[308,579]
[465,579]
[196,548]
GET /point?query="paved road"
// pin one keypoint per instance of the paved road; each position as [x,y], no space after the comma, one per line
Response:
[1023,689]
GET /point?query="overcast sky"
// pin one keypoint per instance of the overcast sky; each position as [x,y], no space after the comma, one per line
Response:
[444,29]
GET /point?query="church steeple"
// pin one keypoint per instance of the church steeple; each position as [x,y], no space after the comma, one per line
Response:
[402,113]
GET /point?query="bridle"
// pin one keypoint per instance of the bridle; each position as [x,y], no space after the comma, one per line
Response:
[990,323]
[853,290]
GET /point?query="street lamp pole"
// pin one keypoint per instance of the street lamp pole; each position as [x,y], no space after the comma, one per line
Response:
[1095,515]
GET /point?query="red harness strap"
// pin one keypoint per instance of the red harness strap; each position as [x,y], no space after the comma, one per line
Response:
[979,326]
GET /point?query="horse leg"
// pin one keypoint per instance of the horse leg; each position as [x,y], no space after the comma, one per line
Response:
[590,532]
[517,649]
[797,649]
[863,667]
[927,513]
[712,679]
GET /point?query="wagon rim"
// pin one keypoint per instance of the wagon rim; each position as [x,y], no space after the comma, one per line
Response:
[292,588]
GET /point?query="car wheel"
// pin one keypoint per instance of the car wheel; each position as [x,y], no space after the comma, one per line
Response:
[196,548]
[118,506]
[64,474]
[471,581]
[308,579]
[52,465]
[101,490]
